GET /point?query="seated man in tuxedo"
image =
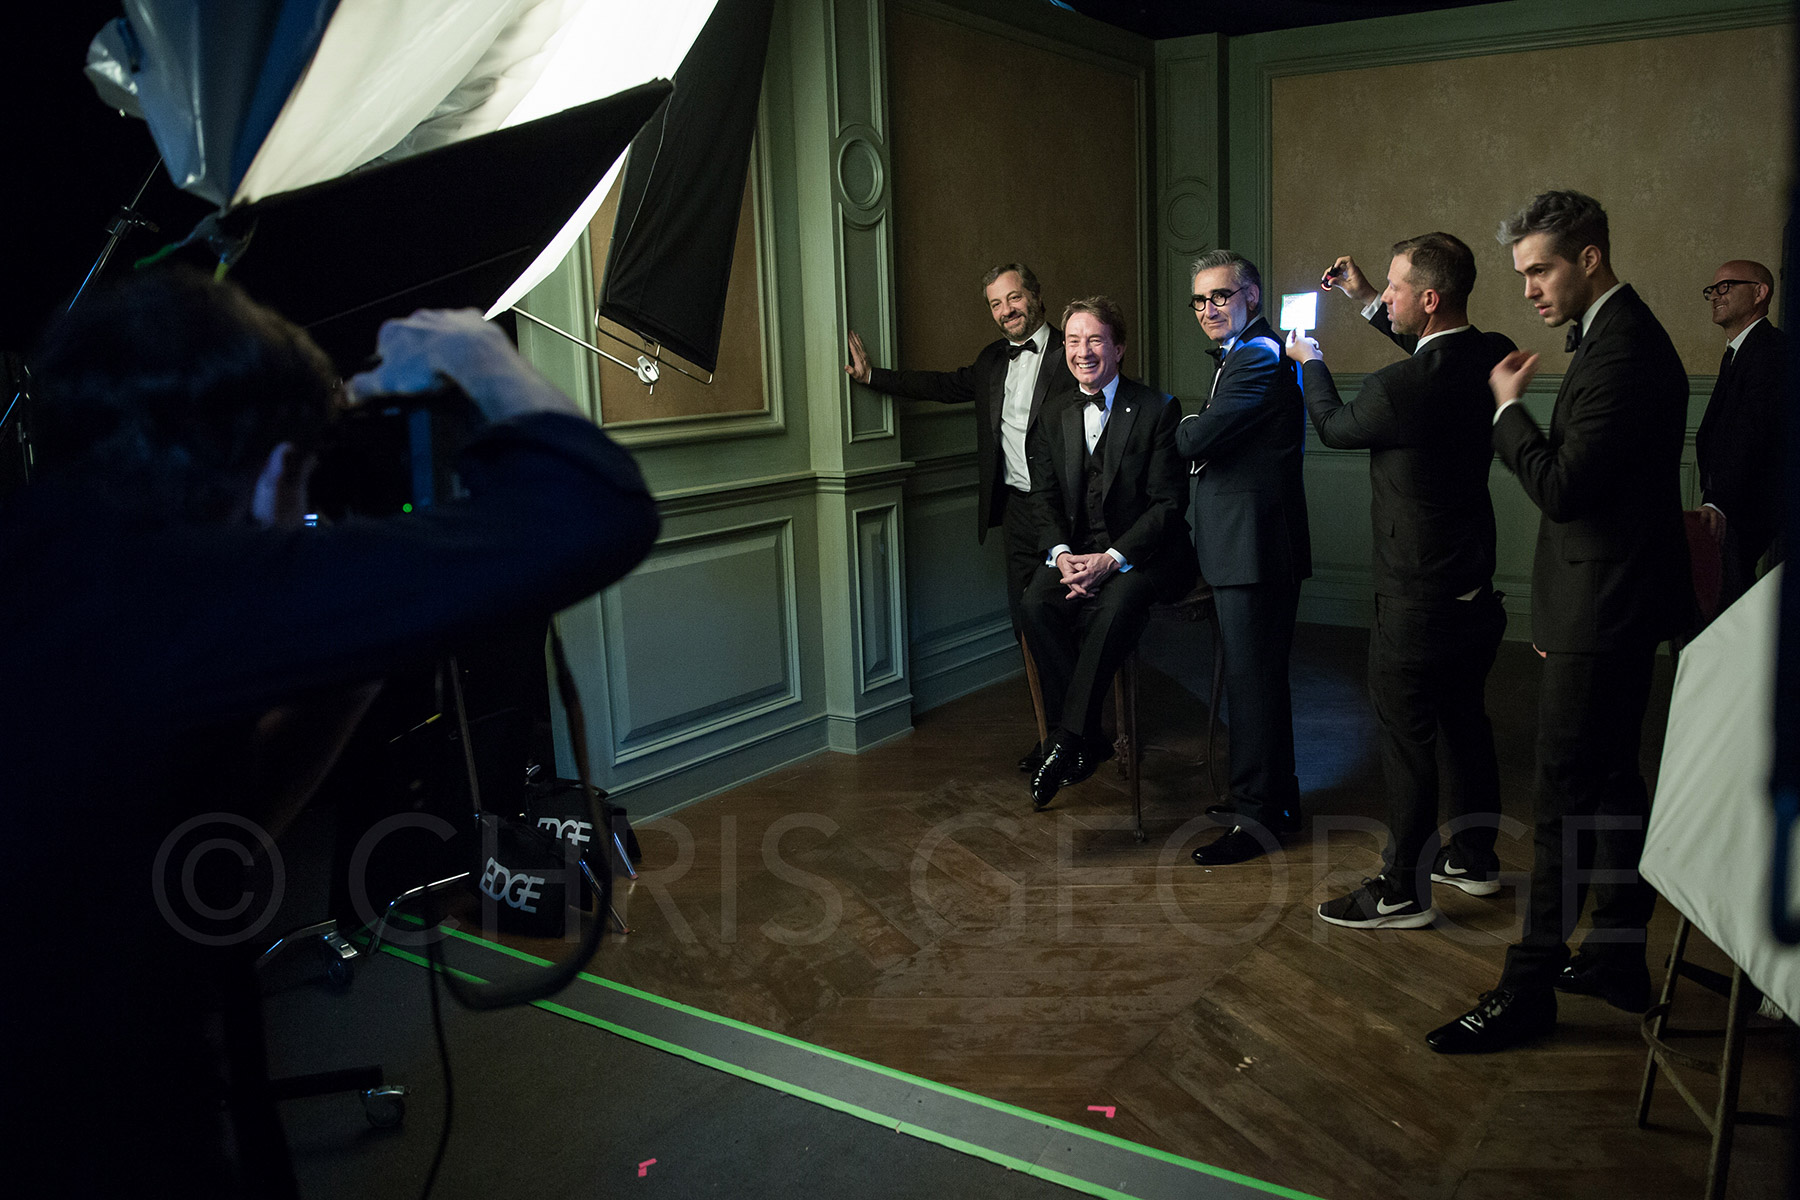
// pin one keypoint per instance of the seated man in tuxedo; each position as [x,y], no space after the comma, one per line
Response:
[1109,511]
[1738,444]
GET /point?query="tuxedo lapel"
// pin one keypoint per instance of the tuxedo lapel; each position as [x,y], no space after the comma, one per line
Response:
[996,397]
[1074,455]
[1047,370]
[1118,431]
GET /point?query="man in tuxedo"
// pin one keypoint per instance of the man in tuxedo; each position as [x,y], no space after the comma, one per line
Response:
[1111,537]
[1739,440]
[1427,424]
[1248,513]
[1609,581]
[1013,381]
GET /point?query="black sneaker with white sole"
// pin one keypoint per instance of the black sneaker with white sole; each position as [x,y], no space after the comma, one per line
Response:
[1379,903]
[1459,873]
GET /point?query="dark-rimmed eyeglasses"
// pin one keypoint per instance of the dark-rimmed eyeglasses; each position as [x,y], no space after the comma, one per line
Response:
[1217,299]
[1724,286]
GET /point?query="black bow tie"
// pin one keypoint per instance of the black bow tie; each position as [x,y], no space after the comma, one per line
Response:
[1097,399]
[1217,354]
[1574,338]
[1013,351]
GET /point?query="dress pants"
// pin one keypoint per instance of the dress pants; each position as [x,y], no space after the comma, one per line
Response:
[1592,809]
[1256,635]
[1024,551]
[1079,644]
[1428,668]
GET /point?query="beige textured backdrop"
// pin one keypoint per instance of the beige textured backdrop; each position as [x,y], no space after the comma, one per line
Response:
[737,385]
[1004,152]
[1683,139]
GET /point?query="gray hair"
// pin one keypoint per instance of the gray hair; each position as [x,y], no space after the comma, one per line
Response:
[1243,271]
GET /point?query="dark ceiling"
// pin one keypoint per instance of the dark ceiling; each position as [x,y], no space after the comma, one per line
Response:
[1179,18]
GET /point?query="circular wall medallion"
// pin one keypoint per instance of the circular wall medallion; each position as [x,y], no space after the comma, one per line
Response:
[860,176]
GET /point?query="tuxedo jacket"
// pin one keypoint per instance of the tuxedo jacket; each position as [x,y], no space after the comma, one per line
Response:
[1739,440]
[1144,482]
[1611,567]
[984,383]
[1427,423]
[1248,503]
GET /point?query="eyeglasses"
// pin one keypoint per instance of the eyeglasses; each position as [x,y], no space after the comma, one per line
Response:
[1723,287]
[1217,299]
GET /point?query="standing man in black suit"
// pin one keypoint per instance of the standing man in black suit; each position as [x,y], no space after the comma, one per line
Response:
[1739,440]
[1609,582]
[1111,538]
[1248,513]
[1012,382]
[1427,422]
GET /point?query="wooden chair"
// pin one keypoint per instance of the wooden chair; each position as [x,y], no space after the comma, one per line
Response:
[1722,1116]
[1197,605]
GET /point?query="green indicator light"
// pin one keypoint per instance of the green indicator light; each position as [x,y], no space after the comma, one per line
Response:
[406,508]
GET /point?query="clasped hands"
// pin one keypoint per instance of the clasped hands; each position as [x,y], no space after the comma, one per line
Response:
[1084,573]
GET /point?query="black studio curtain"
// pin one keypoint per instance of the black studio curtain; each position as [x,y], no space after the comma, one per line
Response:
[676,227]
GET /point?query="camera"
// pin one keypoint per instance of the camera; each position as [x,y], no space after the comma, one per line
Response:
[394,454]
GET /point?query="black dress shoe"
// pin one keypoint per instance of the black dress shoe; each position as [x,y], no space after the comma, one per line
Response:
[1033,758]
[1237,844]
[1065,764]
[1623,982]
[1501,1019]
[1220,810]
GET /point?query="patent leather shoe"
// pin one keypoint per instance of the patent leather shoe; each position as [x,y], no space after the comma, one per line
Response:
[1066,763]
[1032,759]
[1237,844]
[1623,982]
[1501,1019]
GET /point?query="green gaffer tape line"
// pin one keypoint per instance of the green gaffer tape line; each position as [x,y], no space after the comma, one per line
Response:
[1011,1162]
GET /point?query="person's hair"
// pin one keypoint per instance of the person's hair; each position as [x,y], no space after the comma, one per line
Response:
[1105,309]
[1572,220]
[1243,271]
[1441,262]
[1025,277]
[172,390]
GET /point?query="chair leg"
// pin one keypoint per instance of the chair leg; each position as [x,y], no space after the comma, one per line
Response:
[1125,685]
[1744,999]
[1661,1021]
[1037,692]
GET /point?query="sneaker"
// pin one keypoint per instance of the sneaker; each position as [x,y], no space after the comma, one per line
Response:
[1377,904]
[1477,881]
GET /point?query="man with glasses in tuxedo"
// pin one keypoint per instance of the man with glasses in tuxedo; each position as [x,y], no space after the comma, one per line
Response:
[1739,441]
[1247,509]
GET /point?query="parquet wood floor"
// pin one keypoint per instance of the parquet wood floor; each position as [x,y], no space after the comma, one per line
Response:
[906,906]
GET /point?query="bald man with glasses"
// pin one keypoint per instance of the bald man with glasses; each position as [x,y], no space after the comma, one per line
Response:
[1739,441]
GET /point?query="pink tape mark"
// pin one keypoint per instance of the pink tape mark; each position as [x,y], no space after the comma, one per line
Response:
[1103,1108]
[644,1167]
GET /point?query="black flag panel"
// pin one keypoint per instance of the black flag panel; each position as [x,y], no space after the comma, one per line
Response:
[676,228]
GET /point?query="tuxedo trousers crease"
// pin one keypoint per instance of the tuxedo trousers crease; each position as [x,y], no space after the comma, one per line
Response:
[1024,556]
[1079,644]
[1256,637]
[1592,808]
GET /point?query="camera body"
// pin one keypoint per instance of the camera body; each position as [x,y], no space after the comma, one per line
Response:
[394,454]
